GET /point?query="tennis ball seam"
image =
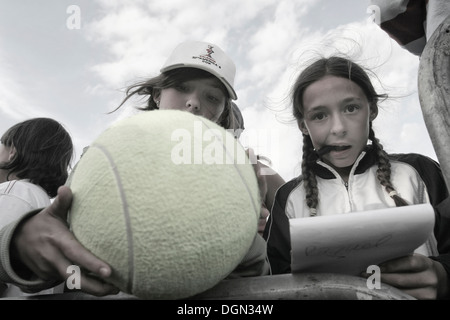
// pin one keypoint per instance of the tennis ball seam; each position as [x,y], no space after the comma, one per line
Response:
[180,268]
[126,214]
[235,166]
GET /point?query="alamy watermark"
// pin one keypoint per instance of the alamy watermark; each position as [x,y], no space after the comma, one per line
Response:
[216,146]
[74,280]
[73,21]
[374,281]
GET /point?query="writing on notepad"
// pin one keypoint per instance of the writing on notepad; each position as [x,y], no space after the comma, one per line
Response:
[349,243]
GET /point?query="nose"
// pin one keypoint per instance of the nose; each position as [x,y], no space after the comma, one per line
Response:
[338,126]
[193,103]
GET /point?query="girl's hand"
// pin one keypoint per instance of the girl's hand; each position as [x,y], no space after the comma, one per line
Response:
[416,275]
[44,244]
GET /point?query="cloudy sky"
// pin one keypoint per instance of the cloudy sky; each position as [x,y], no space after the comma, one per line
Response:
[72,60]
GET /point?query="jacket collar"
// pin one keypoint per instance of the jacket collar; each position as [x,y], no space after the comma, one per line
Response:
[366,159]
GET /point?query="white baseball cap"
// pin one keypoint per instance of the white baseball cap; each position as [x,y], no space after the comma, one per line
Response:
[205,56]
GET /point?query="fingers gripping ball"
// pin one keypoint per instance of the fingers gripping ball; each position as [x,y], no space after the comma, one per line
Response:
[169,200]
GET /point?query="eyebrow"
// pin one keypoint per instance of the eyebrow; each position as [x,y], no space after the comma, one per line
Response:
[212,81]
[217,86]
[316,108]
[349,99]
[215,83]
[346,100]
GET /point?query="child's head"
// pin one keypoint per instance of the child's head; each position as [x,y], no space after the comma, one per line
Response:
[334,103]
[338,67]
[197,77]
[40,150]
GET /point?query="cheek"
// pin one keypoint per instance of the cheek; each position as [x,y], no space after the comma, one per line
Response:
[212,112]
[364,130]
[170,100]
[318,135]
[4,153]
[218,112]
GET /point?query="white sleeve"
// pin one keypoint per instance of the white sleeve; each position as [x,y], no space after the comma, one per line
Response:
[12,208]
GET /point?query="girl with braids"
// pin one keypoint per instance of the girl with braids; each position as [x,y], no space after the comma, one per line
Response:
[334,104]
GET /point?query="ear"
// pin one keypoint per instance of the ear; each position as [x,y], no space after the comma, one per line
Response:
[156,94]
[373,112]
[301,125]
[12,153]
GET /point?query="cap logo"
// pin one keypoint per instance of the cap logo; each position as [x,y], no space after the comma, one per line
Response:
[206,58]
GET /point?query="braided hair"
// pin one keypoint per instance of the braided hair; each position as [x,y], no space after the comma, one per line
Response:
[344,68]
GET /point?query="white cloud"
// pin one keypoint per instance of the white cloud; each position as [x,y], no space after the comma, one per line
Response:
[269,40]
[16,104]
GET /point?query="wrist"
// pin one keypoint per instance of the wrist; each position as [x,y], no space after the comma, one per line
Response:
[443,283]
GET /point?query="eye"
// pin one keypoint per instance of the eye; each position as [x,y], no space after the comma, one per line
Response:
[213,98]
[351,108]
[182,87]
[318,116]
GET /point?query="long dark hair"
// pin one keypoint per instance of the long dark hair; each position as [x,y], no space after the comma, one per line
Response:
[344,68]
[44,152]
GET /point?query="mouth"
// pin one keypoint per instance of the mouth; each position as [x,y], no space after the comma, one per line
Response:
[328,148]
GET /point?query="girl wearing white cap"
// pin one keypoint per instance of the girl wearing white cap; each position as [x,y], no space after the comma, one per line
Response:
[198,77]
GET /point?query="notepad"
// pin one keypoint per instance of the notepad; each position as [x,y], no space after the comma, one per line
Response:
[349,243]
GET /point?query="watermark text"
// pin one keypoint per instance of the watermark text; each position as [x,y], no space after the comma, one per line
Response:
[74,280]
[73,21]
[374,280]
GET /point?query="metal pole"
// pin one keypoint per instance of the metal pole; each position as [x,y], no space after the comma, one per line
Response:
[434,93]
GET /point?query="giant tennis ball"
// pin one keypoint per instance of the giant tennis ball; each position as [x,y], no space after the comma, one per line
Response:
[169,200]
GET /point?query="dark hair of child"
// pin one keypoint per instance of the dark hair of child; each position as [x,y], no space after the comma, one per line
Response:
[44,151]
